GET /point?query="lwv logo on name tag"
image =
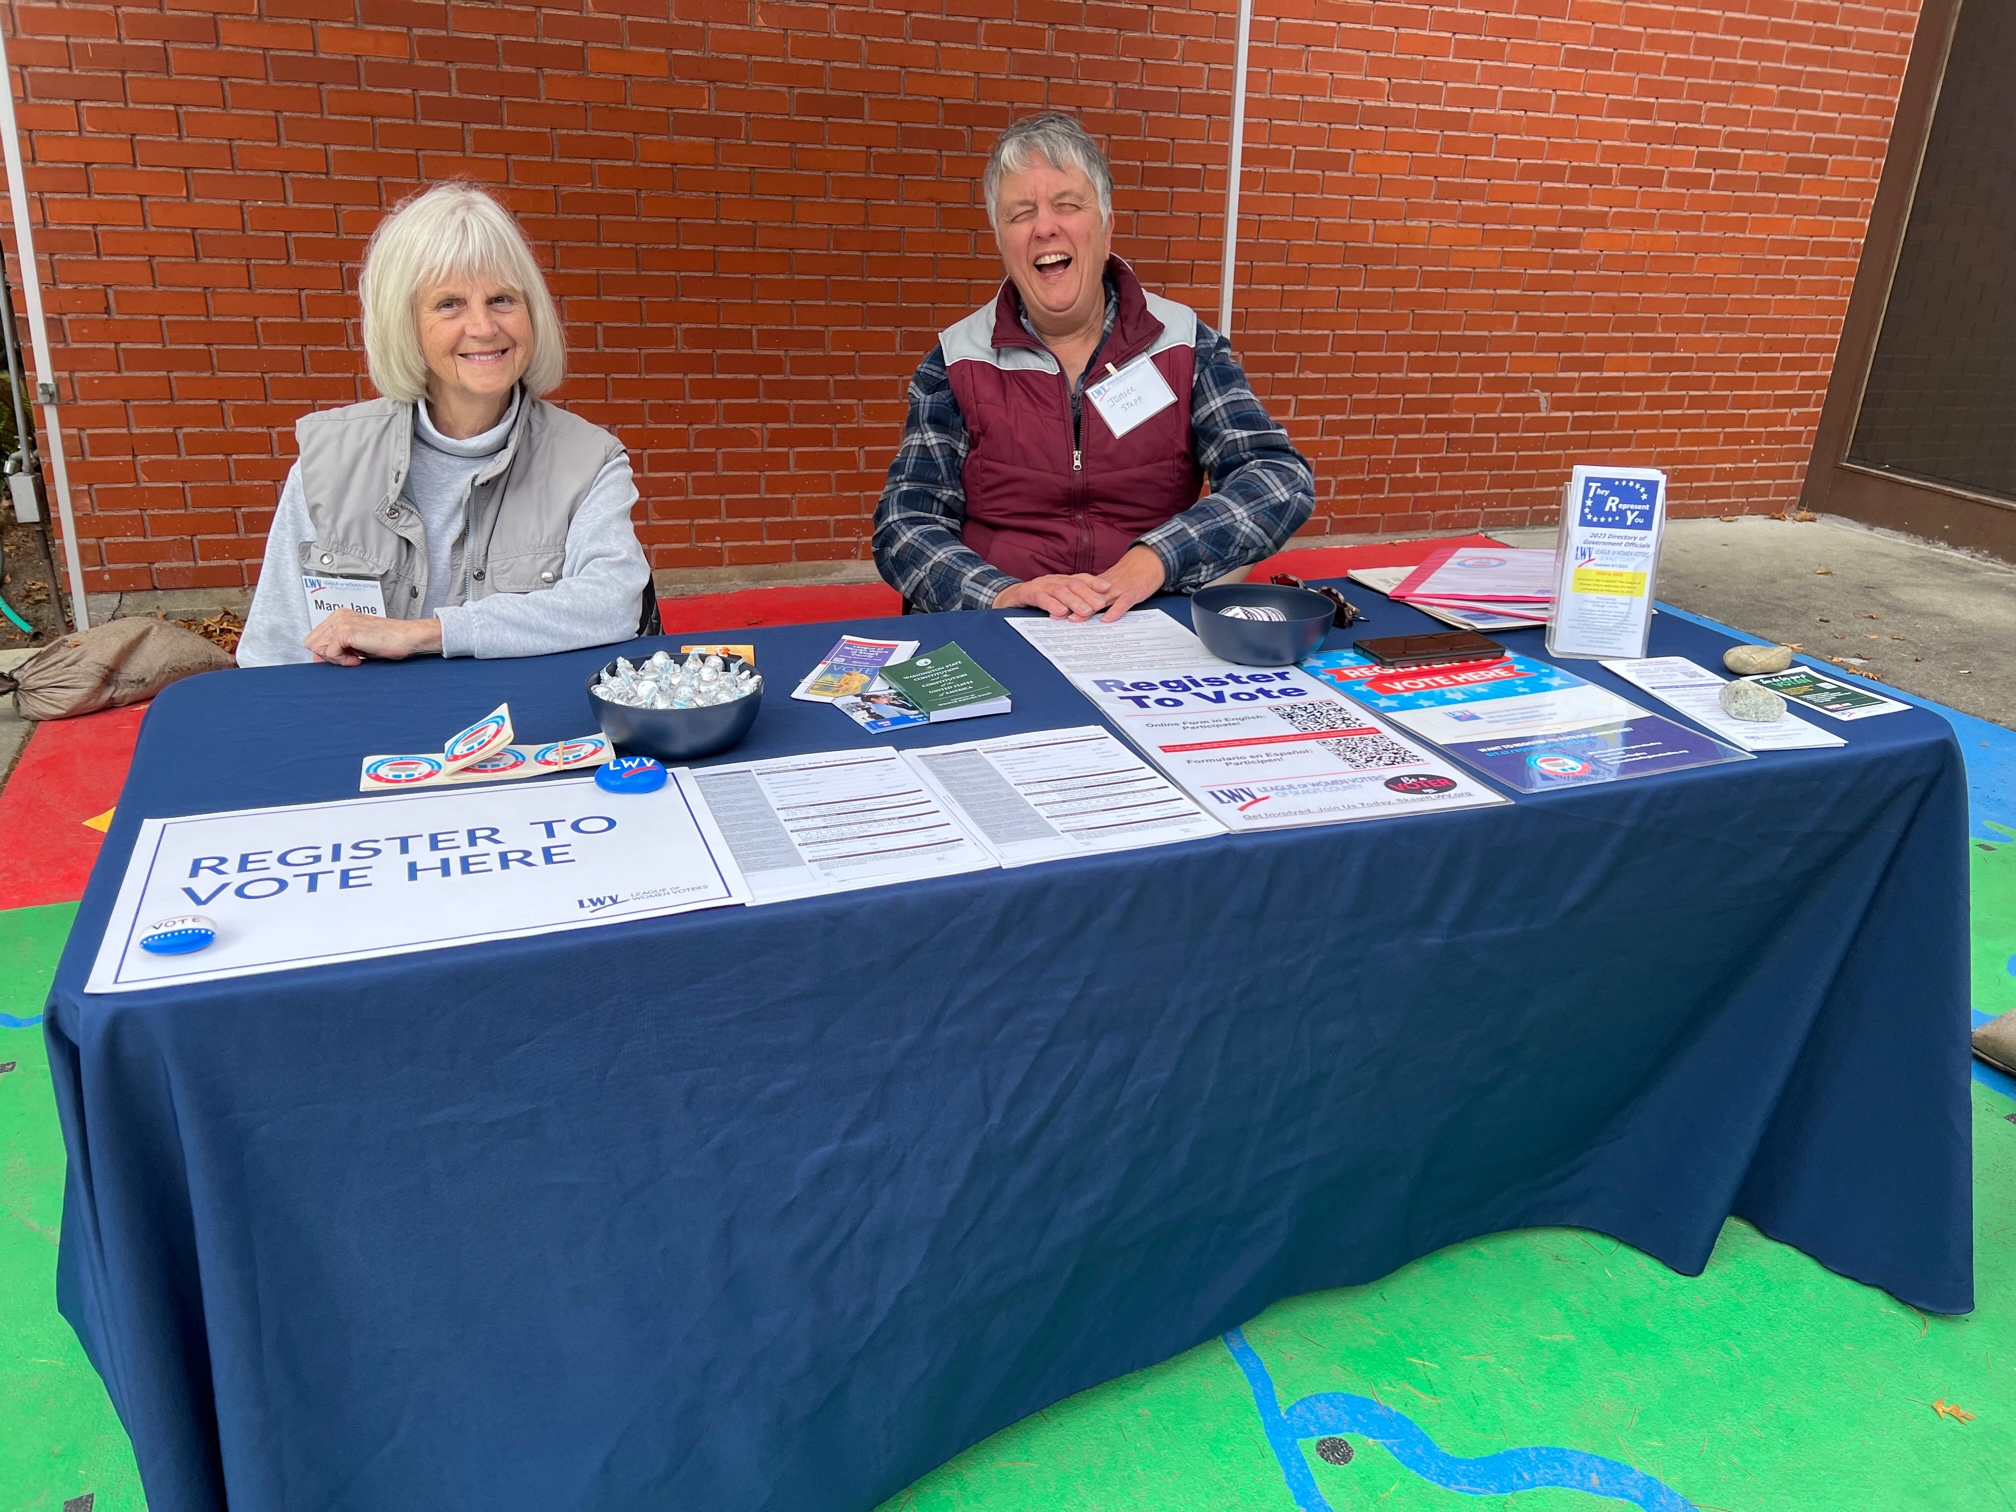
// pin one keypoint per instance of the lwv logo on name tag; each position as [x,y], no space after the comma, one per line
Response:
[1136,393]
[328,594]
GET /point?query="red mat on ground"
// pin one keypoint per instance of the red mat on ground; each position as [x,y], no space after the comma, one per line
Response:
[703,612]
[71,771]
[777,606]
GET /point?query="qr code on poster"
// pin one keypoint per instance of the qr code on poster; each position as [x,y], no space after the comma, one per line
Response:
[1319,714]
[1364,752]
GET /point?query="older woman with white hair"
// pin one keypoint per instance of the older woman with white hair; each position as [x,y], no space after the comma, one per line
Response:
[460,513]
[1059,437]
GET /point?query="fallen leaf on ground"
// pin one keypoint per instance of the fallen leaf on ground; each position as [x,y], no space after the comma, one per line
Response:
[1823,572]
[1948,1410]
[222,629]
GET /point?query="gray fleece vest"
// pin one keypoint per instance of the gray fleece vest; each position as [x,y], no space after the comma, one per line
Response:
[515,514]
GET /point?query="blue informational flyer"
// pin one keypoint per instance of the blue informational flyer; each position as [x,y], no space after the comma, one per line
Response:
[1600,753]
[1527,723]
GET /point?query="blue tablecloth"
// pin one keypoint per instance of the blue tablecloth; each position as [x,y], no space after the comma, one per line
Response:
[781,1207]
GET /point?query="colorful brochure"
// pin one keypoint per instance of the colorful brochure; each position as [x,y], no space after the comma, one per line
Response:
[1530,725]
[881,709]
[1830,696]
[1517,695]
[1697,693]
[1607,561]
[851,668]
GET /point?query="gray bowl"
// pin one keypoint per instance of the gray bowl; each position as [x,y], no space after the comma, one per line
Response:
[673,735]
[1261,643]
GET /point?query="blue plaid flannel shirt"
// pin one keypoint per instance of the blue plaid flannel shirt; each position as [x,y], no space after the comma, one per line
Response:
[1261,488]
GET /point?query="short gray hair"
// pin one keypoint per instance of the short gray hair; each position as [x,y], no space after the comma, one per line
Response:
[453,230]
[1061,142]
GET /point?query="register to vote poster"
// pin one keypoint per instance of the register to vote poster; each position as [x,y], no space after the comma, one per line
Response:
[315,883]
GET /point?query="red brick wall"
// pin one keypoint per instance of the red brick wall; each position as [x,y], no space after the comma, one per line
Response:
[1481,241]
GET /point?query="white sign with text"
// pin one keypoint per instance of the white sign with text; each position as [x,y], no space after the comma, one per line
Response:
[315,883]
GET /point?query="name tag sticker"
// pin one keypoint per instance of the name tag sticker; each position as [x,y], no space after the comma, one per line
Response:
[328,594]
[1136,393]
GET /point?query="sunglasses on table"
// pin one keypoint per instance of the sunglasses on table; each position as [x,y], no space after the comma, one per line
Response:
[1344,612]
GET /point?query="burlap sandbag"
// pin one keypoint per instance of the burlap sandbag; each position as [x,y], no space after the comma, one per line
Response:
[1995,1042]
[122,662]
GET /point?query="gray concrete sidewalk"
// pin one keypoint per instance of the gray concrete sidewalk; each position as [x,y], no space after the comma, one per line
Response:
[1919,617]
[14,730]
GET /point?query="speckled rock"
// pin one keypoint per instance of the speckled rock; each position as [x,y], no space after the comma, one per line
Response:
[1749,661]
[1745,700]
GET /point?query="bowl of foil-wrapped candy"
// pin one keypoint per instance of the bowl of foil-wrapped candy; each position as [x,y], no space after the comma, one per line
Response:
[675,708]
[1260,624]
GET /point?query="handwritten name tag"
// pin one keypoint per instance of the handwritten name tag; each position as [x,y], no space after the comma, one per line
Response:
[1136,393]
[328,594]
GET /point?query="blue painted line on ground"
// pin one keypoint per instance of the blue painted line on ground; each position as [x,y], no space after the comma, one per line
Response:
[8,1021]
[1501,1474]
[1988,1076]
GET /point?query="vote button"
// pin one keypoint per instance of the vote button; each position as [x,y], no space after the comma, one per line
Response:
[630,774]
[181,935]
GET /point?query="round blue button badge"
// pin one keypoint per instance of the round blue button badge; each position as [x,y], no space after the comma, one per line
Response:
[180,935]
[630,774]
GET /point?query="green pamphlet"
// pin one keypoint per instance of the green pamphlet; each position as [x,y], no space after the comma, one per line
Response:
[947,684]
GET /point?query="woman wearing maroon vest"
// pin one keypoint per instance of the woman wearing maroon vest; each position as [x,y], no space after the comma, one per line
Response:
[1059,438]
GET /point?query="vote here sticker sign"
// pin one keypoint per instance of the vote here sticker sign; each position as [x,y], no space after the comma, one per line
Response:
[317,883]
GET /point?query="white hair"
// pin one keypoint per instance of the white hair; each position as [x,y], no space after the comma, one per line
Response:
[450,231]
[1058,140]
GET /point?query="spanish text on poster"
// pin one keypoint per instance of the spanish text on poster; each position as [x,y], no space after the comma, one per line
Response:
[1263,749]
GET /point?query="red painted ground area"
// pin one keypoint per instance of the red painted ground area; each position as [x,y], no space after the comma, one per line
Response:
[71,771]
[73,768]
[808,606]
[778,606]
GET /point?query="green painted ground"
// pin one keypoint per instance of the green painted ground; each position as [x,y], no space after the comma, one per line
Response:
[1766,1385]
[59,1437]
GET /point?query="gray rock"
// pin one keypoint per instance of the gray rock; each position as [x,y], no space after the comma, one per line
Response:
[1746,700]
[1750,661]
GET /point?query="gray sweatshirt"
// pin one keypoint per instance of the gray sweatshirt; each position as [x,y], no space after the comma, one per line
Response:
[596,601]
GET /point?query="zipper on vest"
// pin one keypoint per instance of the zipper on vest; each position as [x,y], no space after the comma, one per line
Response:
[1077,460]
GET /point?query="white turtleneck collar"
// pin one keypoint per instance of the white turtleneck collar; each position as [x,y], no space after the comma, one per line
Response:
[488,444]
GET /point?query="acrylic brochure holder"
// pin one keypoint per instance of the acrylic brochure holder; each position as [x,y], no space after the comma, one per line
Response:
[1606,562]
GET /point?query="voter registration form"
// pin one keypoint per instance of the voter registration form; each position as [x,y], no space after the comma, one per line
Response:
[1058,793]
[799,826]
